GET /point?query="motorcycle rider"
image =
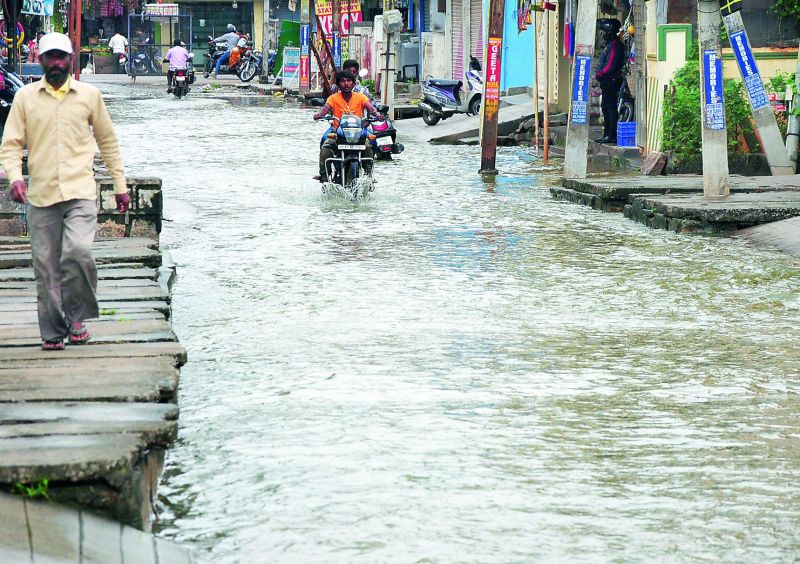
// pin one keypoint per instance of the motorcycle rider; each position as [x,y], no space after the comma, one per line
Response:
[231,38]
[178,58]
[345,101]
[118,44]
[609,75]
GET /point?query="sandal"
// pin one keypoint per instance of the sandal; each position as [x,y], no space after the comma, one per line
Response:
[54,345]
[79,335]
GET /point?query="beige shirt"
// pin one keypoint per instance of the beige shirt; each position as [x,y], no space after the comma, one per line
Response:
[60,136]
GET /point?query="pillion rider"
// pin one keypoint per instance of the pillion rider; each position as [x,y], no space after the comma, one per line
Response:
[609,75]
[345,101]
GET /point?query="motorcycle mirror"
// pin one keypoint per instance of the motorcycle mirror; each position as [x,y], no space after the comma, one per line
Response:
[363,73]
[191,55]
[382,109]
[317,102]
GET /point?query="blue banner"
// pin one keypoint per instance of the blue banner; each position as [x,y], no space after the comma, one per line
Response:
[580,90]
[337,49]
[712,80]
[749,70]
[304,33]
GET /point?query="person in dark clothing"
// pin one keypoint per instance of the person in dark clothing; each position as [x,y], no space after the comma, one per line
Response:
[609,75]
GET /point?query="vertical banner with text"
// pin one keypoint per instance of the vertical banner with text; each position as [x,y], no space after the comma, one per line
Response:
[580,90]
[305,59]
[714,111]
[492,92]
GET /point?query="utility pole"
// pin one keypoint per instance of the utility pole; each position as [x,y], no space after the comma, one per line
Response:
[535,140]
[576,154]
[265,42]
[491,93]
[546,113]
[793,134]
[336,33]
[712,102]
[771,140]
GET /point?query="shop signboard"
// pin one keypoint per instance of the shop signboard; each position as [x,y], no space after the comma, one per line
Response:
[38,7]
[291,67]
[305,68]
[349,11]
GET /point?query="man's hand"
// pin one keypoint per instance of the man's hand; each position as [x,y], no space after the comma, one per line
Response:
[123,202]
[19,191]
[317,117]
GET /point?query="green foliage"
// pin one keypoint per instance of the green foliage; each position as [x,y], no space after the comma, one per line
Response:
[681,125]
[786,8]
[34,490]
[780,81]
[369,83]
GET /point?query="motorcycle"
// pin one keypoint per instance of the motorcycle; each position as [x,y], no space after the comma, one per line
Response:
[215,50]
[141,63]
[384,137]
[122,62]
[443,98]
[249,65]
[347,167]
[625,102]
[180,83]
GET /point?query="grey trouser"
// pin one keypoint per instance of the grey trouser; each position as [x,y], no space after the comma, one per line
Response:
[66,275]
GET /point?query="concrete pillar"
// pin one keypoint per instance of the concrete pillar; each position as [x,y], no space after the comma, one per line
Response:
[712,103]
[793,136]
[575,157]
[764,117]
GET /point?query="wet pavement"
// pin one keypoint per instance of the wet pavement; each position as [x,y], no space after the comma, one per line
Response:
[453,370]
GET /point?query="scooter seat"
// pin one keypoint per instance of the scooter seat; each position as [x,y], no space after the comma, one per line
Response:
[445,83]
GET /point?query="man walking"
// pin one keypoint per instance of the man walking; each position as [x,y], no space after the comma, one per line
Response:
[59,120]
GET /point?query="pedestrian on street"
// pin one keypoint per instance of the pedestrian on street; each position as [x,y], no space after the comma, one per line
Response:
[59,119]
[118,45]
[609,75]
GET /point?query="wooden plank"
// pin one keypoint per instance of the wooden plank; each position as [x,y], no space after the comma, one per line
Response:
[101,284]
[102,332]
[14,542]
[26,274]
[119,353]
[55,532]
[121,293]
[30,317]
[11,308]
[150,257]
[91,380]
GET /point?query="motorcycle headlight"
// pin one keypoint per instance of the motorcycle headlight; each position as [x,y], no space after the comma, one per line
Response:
[352,134]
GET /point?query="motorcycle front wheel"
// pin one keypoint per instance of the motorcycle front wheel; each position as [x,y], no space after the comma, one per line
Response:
[248,71]
[430,118]
[207,69]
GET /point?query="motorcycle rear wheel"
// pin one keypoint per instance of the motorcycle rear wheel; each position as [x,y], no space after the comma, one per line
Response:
[626,113]
[430,118]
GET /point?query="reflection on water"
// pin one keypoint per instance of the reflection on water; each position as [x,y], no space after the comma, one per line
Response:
[447,372]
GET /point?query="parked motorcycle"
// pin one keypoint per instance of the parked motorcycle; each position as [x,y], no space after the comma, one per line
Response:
[142,63]
[384,137]
[625,102]
[13,85]
[348,166]
[215,50]
[443,98]
[122,62]
[249,65]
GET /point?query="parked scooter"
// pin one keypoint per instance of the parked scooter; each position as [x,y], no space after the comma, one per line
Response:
[249,65]
[348,166]
[443,98]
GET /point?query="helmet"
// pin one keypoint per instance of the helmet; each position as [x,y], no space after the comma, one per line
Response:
[231,27]
[609,25]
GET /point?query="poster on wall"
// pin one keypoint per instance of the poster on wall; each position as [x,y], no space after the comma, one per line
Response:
[304,72]
[349,11]
[712,81]
[291,67]
[580,90]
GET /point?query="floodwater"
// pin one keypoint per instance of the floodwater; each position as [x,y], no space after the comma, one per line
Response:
[456,371]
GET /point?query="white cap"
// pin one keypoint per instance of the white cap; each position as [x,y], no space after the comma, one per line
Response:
[54,42]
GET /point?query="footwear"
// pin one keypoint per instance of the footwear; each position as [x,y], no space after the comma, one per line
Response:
[169,90]
[321,178]
[54,345]
[603,139]
[78,334]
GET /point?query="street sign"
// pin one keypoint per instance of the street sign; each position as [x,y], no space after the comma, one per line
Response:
[304,35]
[580,89]
[305,68]
[337,49]
[714,99]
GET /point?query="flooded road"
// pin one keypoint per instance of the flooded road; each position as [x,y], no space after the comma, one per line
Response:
[456,371]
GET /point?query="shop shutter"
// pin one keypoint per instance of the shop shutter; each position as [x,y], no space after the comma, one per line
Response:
[476,29]
[458,39]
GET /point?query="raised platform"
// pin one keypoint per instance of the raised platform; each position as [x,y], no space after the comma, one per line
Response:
[93,420]
[677,202]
